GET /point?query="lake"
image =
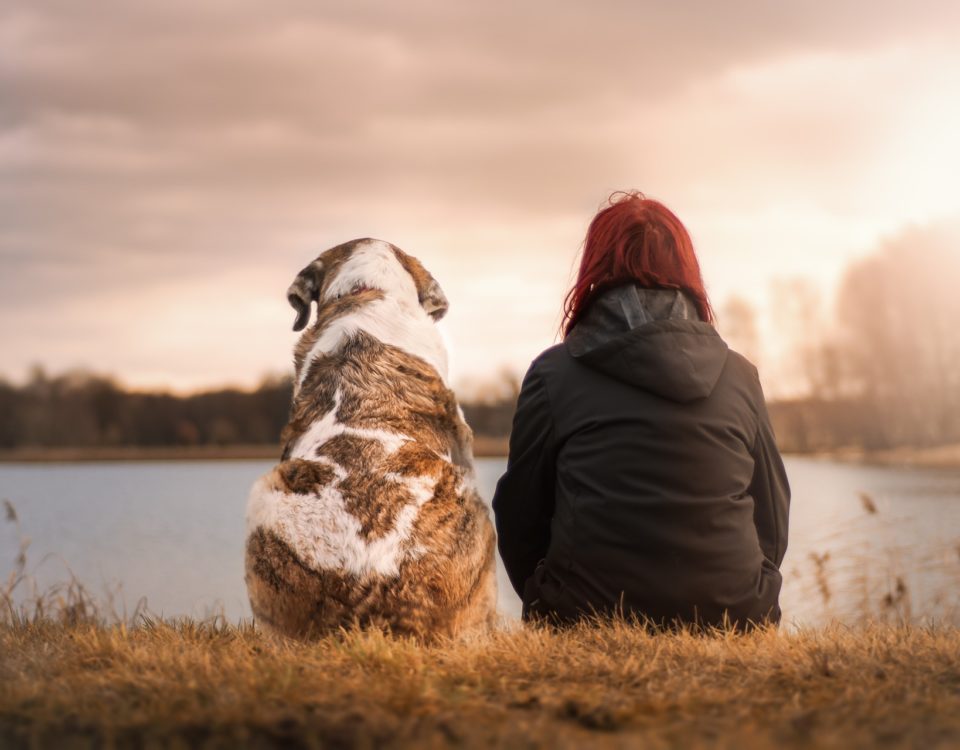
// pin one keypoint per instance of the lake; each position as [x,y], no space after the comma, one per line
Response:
[863,540]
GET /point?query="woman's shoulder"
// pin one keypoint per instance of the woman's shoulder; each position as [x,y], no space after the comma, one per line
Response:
[743,368]
[741,364]
[545,371]
[550,355]
[551,362]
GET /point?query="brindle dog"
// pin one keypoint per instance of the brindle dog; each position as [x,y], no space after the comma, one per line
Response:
[372,517]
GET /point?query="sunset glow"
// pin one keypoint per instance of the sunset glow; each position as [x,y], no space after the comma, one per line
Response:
[165,172]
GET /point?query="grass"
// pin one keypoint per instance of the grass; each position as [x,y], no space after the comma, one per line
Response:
[609,685]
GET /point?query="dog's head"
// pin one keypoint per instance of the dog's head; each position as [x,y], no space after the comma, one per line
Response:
[361,265]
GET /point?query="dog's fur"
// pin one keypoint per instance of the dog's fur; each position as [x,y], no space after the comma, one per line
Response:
[372,516]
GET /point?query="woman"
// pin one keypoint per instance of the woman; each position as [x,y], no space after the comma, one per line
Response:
[643,475]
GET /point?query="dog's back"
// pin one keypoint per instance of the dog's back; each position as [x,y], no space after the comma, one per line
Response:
[372,516]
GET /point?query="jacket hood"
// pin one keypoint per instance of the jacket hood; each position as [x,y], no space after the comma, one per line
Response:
[650,338]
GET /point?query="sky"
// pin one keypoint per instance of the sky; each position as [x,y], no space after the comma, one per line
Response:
[167,167]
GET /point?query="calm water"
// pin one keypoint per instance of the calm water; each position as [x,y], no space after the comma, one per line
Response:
[173,533]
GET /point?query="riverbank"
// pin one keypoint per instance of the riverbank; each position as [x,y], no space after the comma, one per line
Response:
[940,457]
[484,447]
[194,684]
[937,457]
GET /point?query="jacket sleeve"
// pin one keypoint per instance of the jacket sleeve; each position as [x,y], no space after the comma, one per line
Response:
[524,499]
[770,491]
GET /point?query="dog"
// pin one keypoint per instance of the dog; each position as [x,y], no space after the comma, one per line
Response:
[372,517]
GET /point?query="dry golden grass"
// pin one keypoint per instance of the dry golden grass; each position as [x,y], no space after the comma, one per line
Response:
[613,685]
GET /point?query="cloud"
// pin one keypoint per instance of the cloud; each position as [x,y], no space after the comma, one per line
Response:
[152,147]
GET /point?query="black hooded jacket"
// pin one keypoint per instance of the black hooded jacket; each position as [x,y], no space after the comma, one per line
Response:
[643,472]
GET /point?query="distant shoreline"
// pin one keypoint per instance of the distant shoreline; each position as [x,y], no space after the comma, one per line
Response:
[484,447]
[937,457]
[940,457]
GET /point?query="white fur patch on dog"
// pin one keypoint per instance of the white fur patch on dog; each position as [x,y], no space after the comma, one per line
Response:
[329,427]
[318,526]
[325,535]
[374,264]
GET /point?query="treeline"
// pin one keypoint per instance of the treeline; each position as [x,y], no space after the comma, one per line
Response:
[879,365]
[83,410]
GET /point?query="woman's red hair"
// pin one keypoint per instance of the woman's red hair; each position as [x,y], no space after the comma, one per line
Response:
[635,239]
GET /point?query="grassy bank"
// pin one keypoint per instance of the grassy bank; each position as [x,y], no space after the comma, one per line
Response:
[190,684]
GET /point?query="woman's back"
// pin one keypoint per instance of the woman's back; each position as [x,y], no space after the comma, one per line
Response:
[644,444]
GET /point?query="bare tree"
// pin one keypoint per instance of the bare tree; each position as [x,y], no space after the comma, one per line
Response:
[899,314]
[800,317]
[738,324]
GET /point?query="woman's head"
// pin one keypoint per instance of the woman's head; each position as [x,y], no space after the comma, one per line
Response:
[635,239]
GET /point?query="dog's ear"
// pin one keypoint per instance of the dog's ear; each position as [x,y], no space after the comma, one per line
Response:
[431,296]
[304,290]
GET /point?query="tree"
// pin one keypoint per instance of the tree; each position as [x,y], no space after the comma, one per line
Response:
[738,324]
[799,314]
[899,317]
